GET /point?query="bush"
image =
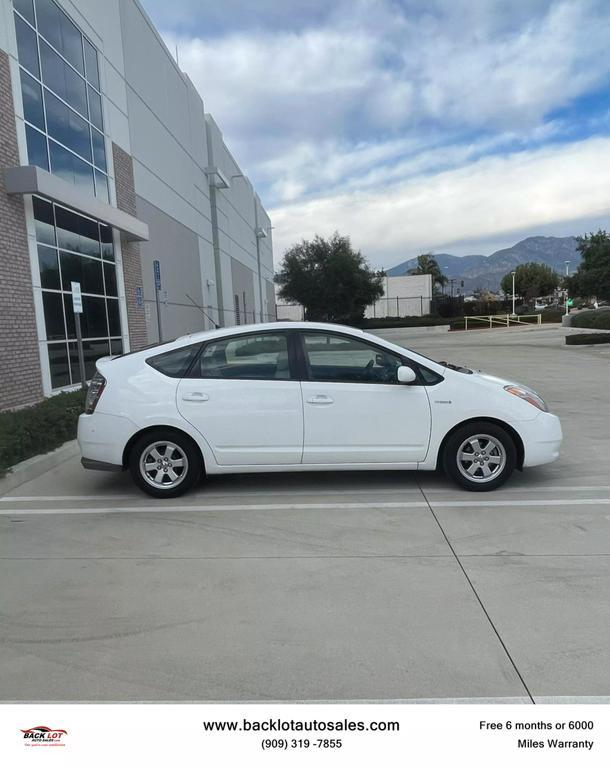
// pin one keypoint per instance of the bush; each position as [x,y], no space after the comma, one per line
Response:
[592,318]
[400,322]
[588,338]
[39,428]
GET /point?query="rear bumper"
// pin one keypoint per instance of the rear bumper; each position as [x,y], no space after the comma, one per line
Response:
[542,439]
[102,439]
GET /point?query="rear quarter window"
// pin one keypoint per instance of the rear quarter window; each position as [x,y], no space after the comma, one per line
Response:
[175,363]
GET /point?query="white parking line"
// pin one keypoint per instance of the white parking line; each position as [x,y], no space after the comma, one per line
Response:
[288,492]
[287,507]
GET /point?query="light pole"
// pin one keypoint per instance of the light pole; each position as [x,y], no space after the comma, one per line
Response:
[513,274]
[567,275]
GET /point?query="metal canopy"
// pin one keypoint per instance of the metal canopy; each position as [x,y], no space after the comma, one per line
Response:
[31,180]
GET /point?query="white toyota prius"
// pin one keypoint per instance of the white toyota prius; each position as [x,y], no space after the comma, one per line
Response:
[285,397]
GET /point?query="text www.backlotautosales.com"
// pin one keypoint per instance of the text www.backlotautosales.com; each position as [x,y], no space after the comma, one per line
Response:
[277,733]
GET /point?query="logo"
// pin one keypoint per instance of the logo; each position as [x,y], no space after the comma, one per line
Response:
[43,736]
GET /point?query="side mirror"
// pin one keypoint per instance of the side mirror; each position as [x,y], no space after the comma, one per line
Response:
[406,375]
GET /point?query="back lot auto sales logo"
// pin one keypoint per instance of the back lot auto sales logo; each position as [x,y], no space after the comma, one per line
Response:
[43,736]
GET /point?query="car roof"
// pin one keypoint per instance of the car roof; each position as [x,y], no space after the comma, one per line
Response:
[260,327]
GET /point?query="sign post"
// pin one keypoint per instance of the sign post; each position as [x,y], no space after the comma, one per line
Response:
[77,305]
[157,271]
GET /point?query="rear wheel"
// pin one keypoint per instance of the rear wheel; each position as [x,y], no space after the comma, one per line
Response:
[165,463]
[480,456]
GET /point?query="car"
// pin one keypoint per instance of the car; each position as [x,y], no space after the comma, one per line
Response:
[301,396]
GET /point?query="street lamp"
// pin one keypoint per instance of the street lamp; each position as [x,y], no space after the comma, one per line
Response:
[567,261]
[513,274]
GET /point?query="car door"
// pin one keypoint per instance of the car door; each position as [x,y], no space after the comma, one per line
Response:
[242,398]
[355,410]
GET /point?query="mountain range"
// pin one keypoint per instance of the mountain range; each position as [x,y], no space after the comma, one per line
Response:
[485,272]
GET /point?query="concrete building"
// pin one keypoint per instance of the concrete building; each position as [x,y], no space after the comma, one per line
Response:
[403,296]
[108,163]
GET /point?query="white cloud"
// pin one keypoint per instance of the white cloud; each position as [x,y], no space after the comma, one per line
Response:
[409,125]
[480,202]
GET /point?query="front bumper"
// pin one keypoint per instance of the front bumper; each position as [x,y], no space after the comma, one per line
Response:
[542,439]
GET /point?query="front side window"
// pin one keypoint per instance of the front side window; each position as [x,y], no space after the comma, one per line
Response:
[256,356]
[333,357]
[74,248]
[62,101]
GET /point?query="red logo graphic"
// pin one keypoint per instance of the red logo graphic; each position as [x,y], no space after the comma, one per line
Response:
[43,736]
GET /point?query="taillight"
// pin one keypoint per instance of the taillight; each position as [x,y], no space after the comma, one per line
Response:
[98,382]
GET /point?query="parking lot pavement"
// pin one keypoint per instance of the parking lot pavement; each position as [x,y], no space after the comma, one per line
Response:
[325,586]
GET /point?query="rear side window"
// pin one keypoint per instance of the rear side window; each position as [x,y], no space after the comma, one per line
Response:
[256,356]
[175,363]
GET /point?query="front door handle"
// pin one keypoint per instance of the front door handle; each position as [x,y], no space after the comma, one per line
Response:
[320,400]
[196,397]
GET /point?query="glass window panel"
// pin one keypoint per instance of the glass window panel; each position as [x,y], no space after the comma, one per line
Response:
[45,225]
[110,278]
[49,267]
[56,27]
[37,148]
[72,43]
[101,186]
[99,149]
[114,319]
[69,307]
[62,79]
[93,319]
[91,72]
[95,108]
[67,127]
[107,245]
[92,351]
[32,101]
[27,47]
[58,363]
[76,233]
[71,168]
[339,358]
[261,356]
[83,270]
[116,346]
[25,8]
[53,316]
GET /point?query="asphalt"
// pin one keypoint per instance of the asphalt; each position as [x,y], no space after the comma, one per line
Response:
[326,586]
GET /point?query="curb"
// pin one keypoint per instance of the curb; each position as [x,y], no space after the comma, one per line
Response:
[32,468]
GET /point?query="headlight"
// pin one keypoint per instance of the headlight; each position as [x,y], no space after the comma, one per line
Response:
[527,394]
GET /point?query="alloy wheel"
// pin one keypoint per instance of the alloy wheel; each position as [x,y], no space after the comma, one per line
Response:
[163,464]
[481,458]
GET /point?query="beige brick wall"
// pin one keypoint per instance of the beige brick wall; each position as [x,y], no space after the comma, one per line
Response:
[132,266]
[20,376]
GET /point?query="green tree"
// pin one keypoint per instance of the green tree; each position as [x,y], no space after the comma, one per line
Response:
[592,277]
[428,265]
[329,278]
[531,280]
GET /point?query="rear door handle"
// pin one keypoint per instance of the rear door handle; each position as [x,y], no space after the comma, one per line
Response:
[196,397]
[320,400]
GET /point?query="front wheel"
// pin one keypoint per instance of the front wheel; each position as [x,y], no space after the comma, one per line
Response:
[165,463]
[480,456]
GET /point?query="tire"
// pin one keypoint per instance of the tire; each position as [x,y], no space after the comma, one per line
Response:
[494,456]
[165,463]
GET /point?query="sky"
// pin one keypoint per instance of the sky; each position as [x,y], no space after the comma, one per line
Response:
[457,126]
